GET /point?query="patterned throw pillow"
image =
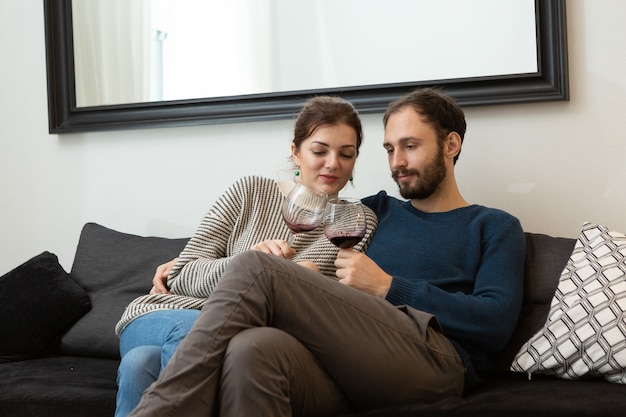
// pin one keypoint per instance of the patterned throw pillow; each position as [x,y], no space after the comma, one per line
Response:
[585,333]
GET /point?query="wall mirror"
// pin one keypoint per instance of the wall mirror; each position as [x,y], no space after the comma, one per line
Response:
[118,64]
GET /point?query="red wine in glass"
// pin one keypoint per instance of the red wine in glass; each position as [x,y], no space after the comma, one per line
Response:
[300,227]
[344,222]
[304,208]
[345,242]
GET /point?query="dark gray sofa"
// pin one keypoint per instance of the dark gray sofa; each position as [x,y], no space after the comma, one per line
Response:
[74,374]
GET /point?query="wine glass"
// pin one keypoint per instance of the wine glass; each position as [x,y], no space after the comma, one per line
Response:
[303,209]
[344,222]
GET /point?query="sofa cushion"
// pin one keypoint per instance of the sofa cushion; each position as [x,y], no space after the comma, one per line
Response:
[546,257]
[38,303]
[585,333]
[67,386]
[114,268]
[513,395]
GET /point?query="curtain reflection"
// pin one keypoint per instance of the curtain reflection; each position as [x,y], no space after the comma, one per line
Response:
[131,51]
[112,66]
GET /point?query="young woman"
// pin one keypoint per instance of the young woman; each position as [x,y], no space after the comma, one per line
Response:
[327,138]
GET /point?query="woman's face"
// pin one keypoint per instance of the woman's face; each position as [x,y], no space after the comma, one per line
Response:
[326,158]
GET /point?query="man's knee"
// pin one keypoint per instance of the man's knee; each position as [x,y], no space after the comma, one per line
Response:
[254,344]
[253,262]
[247,260]
[253,257]
[259,353]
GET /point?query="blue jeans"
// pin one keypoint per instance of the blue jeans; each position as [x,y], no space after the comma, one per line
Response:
[146,346]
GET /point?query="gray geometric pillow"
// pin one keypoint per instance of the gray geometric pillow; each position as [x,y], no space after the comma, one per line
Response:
[585,333]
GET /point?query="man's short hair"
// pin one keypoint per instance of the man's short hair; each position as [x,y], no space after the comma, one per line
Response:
[439,110]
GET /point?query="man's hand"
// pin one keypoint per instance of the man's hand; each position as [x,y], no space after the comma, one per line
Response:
[358,271]
[159,281]
[276,247]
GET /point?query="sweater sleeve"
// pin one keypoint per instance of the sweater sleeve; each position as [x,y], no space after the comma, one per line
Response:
[484,317]
[218,238]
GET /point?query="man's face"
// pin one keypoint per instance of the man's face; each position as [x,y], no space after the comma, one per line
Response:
[415,158]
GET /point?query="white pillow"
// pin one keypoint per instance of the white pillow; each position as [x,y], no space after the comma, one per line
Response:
[585,333]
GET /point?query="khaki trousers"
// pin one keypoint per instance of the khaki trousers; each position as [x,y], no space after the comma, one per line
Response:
[276,339]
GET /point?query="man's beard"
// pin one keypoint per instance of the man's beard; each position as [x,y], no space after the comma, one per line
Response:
[426,184]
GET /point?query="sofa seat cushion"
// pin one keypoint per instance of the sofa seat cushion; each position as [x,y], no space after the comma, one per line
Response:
[514,395]
[58,386]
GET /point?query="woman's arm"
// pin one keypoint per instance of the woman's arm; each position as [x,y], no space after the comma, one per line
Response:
[246,214]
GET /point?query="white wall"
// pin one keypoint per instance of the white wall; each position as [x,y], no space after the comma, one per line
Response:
[554,165]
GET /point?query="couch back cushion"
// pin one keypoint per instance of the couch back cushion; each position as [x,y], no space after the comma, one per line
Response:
[114,268]
[546,256]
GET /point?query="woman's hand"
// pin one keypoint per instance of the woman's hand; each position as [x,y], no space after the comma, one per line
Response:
[281,248]
[276,247]
[159,281]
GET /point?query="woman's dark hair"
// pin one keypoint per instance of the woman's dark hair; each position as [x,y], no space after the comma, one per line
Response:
[438,109]
[326,111]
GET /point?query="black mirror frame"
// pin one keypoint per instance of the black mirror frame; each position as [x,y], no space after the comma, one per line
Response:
[549,83]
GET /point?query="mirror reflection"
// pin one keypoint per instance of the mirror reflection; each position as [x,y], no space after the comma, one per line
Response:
[133,51]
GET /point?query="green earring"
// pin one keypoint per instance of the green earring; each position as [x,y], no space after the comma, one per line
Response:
[351,178]
[297,173]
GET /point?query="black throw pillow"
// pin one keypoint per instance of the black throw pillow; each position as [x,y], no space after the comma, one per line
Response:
[39,302]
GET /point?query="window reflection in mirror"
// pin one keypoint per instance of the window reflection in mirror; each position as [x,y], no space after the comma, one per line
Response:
[131,51]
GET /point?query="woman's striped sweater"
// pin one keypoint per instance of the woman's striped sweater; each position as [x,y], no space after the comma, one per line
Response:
[247,213]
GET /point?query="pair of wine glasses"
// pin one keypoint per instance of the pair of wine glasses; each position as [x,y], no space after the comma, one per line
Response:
[343,218]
